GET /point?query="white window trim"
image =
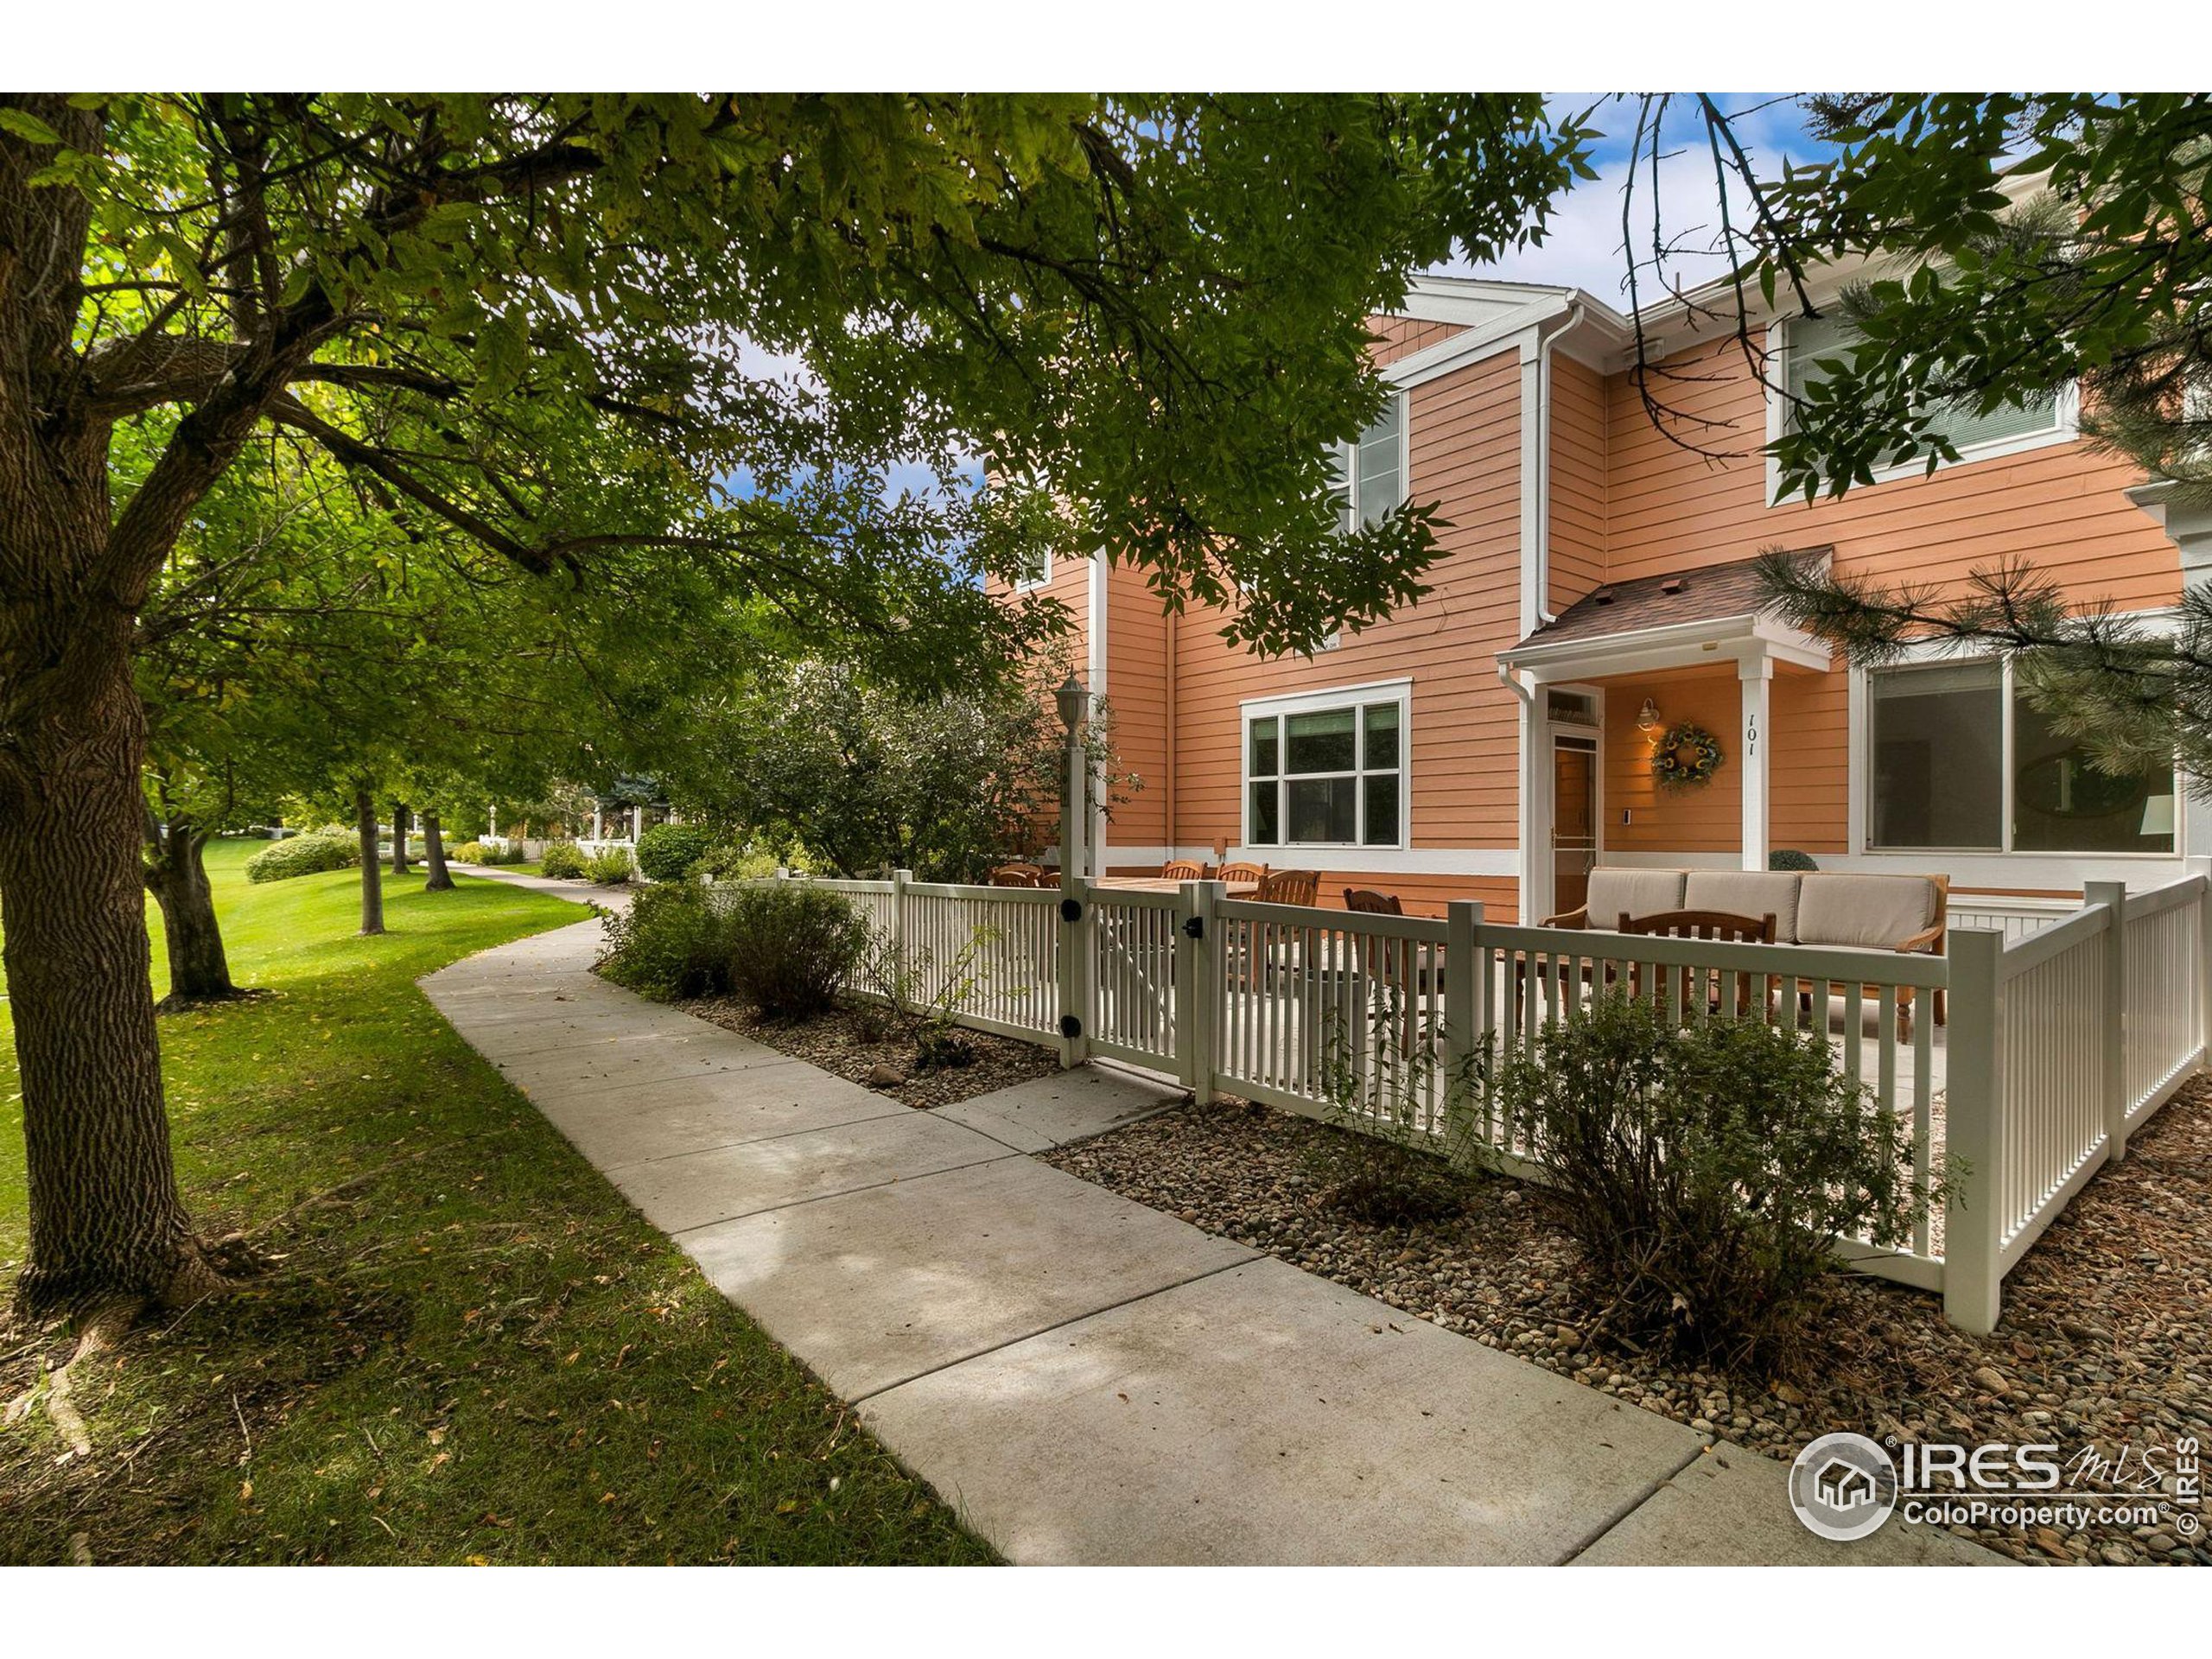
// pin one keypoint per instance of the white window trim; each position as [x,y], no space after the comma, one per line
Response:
[2034,867]
[2065,428]
[1399,691]
[1030,584]
[1348,459]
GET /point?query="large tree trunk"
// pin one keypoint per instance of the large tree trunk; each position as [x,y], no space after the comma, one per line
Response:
[106,1219]
[365,824]
[434,856]
[176,875]
[399,837]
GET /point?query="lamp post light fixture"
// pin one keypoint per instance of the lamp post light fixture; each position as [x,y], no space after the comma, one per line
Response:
[1073,703]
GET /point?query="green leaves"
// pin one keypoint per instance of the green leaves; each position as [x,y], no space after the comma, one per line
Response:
[27,126]
[2095,275]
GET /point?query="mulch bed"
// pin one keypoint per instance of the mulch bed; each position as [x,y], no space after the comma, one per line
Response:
[2105,1339]
[840,1041]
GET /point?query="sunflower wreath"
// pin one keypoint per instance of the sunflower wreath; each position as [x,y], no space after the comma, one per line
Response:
[1687,756]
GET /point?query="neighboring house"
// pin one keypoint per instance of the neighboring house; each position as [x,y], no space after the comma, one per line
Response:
[1494,740]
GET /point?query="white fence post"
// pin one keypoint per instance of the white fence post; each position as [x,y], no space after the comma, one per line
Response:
[2112,895]
[2204,970]
[1077,934]
[1974,1134]
[1198,987]
[899,881]
[1466,1009]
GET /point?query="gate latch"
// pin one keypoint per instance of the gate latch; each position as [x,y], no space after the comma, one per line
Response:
[1070,910]
[1194,927]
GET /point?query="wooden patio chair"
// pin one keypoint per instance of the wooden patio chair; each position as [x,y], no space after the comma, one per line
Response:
[1182,869]
[1697,924]
[1018,875]
[1255,874]
[1290,888]
[1366,901]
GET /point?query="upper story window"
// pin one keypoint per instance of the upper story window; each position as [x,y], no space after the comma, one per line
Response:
[1327,770]
[1037,572]
[2003,430]
[1371,474]
[1963,762]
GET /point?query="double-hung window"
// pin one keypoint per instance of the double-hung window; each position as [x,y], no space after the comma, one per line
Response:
[2044,419]
[1327,769]
[1371,474]
[1035,573]
[1962,762]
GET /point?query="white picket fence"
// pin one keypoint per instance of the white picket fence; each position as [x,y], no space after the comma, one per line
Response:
[2018,1063]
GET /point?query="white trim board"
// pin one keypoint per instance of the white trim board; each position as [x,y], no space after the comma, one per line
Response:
[1495,861]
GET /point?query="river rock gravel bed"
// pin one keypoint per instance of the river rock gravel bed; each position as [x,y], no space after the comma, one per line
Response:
[856,1044]
[2105,1340]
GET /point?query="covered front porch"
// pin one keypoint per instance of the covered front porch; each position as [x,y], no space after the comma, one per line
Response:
[1658,663]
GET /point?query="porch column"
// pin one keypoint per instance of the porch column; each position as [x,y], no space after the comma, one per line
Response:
[1755,676]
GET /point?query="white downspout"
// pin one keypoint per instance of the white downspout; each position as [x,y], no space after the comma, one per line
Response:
[1541,551]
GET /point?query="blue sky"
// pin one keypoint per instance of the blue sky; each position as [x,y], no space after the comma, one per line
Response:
[1584,247]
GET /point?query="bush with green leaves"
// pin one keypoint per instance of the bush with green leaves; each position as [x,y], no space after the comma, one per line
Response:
[736,861]
[672,942]
[1788,858]
[564,859]
[1707,1170]
[610,867]
[792,944]
[503,852]
[302,856]
[1379,1068]
[667,851]
[469,852]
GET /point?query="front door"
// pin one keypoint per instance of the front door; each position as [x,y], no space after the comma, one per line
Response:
[1574,820]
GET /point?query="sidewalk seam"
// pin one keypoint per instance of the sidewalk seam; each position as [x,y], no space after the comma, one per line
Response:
[841,1192]
[1706,1444]
[1061,1325]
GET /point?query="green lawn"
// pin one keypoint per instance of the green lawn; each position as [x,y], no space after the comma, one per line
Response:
[475,1350]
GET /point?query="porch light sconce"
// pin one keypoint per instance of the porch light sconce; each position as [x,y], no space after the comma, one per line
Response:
[1071,700]
[1647,719]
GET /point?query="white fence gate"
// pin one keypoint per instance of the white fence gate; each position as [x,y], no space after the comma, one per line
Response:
[2057,1040]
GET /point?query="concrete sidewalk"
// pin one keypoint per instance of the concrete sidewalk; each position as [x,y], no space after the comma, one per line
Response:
[1085,1379]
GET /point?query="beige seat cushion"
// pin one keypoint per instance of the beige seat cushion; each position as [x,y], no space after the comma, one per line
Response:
[1871,910]
[1747,892]
[1638,893]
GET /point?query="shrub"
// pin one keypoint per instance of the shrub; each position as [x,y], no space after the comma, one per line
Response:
[302,856]
[609,866]
[503,852]
[673,943]
[735,861]
[1707,1169]
[1788,858]
[791,945]
[667,851]
[564,859]
[469,852]
[1378,1068]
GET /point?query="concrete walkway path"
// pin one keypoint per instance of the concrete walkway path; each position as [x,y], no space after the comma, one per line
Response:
[1085,1379]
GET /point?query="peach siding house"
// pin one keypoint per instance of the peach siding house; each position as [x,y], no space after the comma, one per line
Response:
[1494,740]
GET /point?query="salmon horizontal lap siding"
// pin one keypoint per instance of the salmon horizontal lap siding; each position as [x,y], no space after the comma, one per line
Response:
[2061,507]
[1580,489]
[1398,337]
[1464,444]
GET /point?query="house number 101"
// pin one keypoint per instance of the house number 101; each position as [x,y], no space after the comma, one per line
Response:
[1750,736]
